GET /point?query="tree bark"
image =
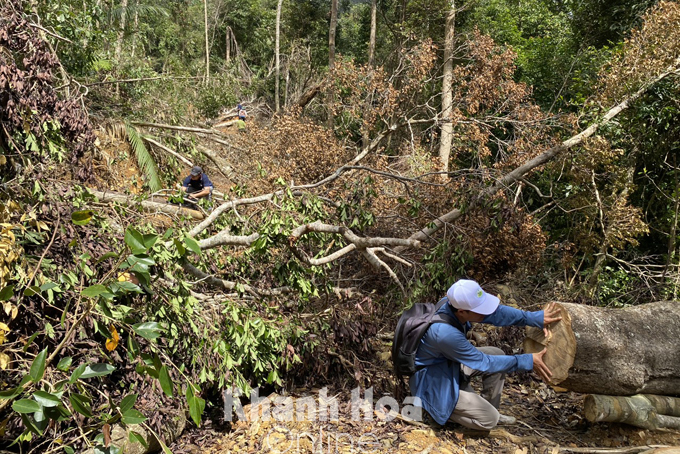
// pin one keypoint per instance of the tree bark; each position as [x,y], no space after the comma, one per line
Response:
[447,90]
[642,410]
[145,204]
[121,29]
[207,45]
[331,58]
[278,67]
[371,42]
[617,352]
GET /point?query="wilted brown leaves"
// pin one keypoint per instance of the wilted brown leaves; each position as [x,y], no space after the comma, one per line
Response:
[646,53]
[29,99]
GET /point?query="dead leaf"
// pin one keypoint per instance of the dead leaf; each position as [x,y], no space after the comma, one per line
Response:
[106,430]
[4,361]
[112,343]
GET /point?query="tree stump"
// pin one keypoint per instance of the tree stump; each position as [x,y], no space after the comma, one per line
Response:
[617,352]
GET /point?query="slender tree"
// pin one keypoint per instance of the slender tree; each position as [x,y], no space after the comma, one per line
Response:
[371,42]
[278,43]
[207,45]
[121,28]
[331,55]
[447,90]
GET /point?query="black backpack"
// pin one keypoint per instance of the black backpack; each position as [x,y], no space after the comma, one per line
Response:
[412,326]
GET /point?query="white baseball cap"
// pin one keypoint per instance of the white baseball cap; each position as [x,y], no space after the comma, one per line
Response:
[467,295]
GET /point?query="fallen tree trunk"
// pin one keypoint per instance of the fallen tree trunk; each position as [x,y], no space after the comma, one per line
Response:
[149,206]
[617,352]
[642,410]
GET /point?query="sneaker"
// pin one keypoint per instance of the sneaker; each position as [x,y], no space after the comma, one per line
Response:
[505,420]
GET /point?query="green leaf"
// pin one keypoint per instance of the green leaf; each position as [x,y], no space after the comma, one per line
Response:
[6,293]
[32,290]
[38,367]
[166,381]
[81,404]
[46,399]
[134,437]
[180,247]
[82,217]
[133,347]
[64,363]
[97,370]
[149,240]
[94,291]
[77,373]
[148,330]
[106,256]
[68,450]
[30,424]
[127,403]
[10,394]
[132,416]
[196,405]
[192,245]
[26,406]
[135,241]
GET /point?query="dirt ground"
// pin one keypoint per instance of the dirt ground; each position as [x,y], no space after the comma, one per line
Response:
[547,422]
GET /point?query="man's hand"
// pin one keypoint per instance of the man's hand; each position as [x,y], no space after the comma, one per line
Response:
[551,314]
[539,366]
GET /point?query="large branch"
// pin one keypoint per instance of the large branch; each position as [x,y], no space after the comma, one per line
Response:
[519,172]
[230,285]
[177,128]
[147,205]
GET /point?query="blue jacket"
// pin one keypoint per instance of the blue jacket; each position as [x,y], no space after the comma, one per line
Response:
[442,350]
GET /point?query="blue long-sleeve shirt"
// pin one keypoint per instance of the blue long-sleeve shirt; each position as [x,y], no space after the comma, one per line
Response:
[444,348]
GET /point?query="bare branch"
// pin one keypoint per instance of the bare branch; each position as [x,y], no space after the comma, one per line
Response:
[223,238]
[230,285]
[168,150]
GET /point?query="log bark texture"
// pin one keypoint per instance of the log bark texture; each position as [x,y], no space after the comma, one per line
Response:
[618,352]
[148,206]
[642,410]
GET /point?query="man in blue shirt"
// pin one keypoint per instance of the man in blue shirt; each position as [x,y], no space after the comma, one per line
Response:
[447,360]
[197,184]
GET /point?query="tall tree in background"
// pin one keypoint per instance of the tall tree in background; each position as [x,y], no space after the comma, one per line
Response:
[331,55]
[207,45]
[121,29]
[278,67]
[447,89]
[371,42]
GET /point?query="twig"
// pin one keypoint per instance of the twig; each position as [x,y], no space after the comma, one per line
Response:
[105,82]
[37,266]
[629,450]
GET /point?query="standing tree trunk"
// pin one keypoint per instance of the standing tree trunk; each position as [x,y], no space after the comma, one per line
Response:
[121,29]
[136,29]
[365,136]
[619,352]
[331,58]
[371,42]
[207,45]
[227,45]
[447,91]
[278,67]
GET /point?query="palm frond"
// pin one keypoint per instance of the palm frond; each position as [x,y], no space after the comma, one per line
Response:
[146,162]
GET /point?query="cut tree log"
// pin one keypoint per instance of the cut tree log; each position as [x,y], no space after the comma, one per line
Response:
[618,352]
[147,205]
[642,410]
